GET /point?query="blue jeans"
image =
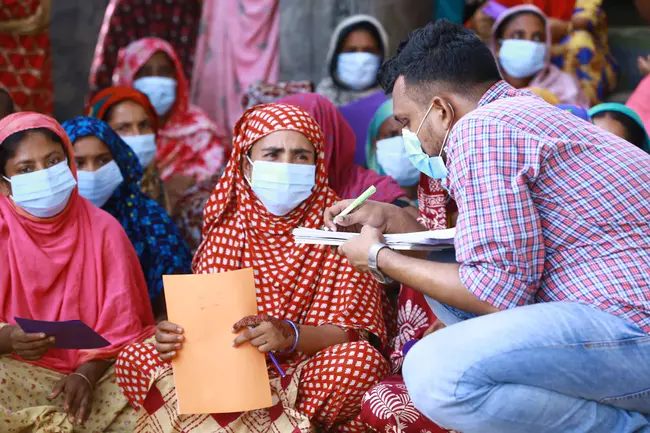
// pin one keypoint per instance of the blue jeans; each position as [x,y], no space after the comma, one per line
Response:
[550,367]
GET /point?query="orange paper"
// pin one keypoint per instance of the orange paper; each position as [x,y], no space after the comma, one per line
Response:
[211,375]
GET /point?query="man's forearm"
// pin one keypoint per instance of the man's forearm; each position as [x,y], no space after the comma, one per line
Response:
[440,281]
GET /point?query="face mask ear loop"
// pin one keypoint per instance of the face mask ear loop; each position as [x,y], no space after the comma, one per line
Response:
[250,181]
[444,141]
[423,119]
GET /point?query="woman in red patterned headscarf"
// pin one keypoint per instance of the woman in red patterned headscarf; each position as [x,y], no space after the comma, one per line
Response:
[191,147]
[336,310]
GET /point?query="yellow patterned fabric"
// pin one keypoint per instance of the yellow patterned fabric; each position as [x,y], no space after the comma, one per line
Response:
[24,406]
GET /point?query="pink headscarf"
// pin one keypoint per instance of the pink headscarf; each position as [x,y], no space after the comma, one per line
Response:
[189,143]
[345,178]
[639,101]
[562,84]
[77,265]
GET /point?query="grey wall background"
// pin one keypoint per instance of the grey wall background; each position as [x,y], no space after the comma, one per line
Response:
[306,27]
[74,28]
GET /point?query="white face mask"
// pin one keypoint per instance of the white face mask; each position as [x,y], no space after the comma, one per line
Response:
[358,71]
[43,193]
[391,156]
[98,186]
[281,187]
[522,59]
[161,92]
[144,147]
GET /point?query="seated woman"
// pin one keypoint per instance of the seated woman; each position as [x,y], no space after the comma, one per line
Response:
[357,49]
[109,177]
[385,152]
[191,147]
[131,115]
[345,178]
[580,41]
[249,217]
[521,42]
[63,259]
[622,121]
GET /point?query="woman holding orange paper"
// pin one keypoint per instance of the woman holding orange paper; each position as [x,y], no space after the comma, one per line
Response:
[63,259]
[316,313]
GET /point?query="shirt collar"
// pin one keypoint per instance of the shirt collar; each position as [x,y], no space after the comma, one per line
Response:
[499,90]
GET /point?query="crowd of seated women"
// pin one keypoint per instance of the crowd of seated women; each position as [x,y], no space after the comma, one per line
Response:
[94,211]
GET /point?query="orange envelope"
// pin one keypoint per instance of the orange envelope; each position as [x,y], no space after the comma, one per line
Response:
[211,375]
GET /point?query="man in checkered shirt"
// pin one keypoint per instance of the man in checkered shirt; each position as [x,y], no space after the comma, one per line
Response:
[552,245]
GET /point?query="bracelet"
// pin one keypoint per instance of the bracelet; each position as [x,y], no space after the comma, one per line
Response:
[85,378]
[295,343]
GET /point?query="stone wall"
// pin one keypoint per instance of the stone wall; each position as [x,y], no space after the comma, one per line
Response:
[74,28]
[306,27]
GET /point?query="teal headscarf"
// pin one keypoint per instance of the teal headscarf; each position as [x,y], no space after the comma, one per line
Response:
[623,109]
[384,112]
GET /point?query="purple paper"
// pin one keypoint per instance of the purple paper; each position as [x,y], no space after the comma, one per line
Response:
[71,334]
[494,10]
[359,114]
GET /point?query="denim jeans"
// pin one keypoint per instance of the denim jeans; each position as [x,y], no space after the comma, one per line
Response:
[550,367]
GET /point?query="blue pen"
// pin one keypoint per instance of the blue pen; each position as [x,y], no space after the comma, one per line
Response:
[275,361]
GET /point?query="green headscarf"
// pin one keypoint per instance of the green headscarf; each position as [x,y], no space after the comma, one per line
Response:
[623,109]
[385,111]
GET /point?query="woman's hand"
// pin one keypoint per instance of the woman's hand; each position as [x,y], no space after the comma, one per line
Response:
[169,339]
[30,347]
[265,332]
[78,401]
[580,22]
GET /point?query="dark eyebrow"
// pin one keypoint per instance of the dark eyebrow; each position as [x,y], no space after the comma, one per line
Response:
[31,161]
[302,151]
[272,149]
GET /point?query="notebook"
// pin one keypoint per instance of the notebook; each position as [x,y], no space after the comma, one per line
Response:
[433,240]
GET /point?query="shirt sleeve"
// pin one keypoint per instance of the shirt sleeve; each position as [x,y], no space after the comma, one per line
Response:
[499,244]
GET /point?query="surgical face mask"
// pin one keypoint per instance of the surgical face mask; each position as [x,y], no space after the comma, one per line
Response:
[98,186]
[358,71]
[144,146]
[392,158]
[161,92]
[522,59]
[281,187]
[432,166]
[43,193]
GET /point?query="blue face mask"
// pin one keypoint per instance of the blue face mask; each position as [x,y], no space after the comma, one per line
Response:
[522,59]
[432,166]
[358,70]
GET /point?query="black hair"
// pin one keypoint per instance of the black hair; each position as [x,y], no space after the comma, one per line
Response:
[363,25]
[7,105]
[108,114]
[499,33]
[442,53]
[636,134]
[10,145]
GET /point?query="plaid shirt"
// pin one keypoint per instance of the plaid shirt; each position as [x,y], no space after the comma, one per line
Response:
[551,208]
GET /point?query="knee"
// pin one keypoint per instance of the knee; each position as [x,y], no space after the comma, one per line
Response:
[356,365]
[432,372]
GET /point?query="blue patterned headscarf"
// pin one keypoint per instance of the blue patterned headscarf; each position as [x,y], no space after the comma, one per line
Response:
[156,239]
